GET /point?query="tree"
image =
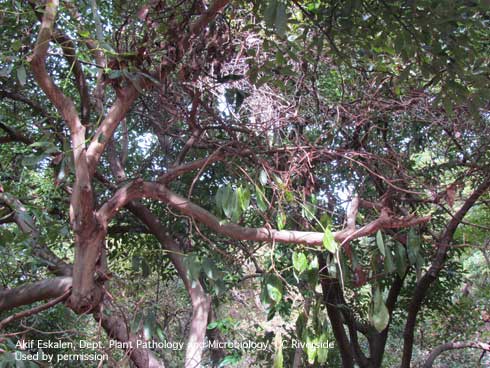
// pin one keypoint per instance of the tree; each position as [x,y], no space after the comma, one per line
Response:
[282,112]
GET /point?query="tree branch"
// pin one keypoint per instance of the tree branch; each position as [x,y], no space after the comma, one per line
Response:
[139,189]
[452,346]
[81,208]
[103,135]
[116,328]
[28,294]
[26,224]
[425,282]
[35,310]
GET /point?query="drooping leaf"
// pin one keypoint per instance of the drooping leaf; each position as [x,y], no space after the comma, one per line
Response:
[261,201]
[380,242]
[263,177]
[145,268]
[328,241]
[209,268]
[281,220]
[301,322]
[244,198]
[136,322]
[312,272]
[311,343]
[281,18]
[149,325]
[413,245]
[22,75]
[322,352]
[300,262]
[400,259]
[270,13]
[380,316]
[274,287]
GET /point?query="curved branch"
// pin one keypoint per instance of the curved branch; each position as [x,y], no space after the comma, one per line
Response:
[425,282]
[139,189]
[179,170]
[26,224]
[452,346]
[81,208]
[68,49]
[35,310]
[103,135]
[28,294]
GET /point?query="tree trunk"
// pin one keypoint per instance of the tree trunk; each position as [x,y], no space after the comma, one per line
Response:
[86,292]
[117,329]
[200,301]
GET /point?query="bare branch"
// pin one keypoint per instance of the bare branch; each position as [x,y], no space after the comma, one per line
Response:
[104,132]
[452,346]
[443,245]
[35,310]
[28,294]
[207,17]
[177,171]
[139,189]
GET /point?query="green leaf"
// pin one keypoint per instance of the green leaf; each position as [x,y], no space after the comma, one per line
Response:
[135,263]
[328,241]
[22,75]
[5,71]
[312,272]
[322,353]
[400,259]
[148,326]
[389,263]
[160,333]
[308,211]
[311,344]
[244,198]
[229,360]
[210,269]
[135,323]
[270,13]
[230,202]
[300,262]
[193,266]
[413,245]
[274,287]
[263,177]
[261,201]
[219,198]
[281,220]
[380,316]
[84,33]
[380,243]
